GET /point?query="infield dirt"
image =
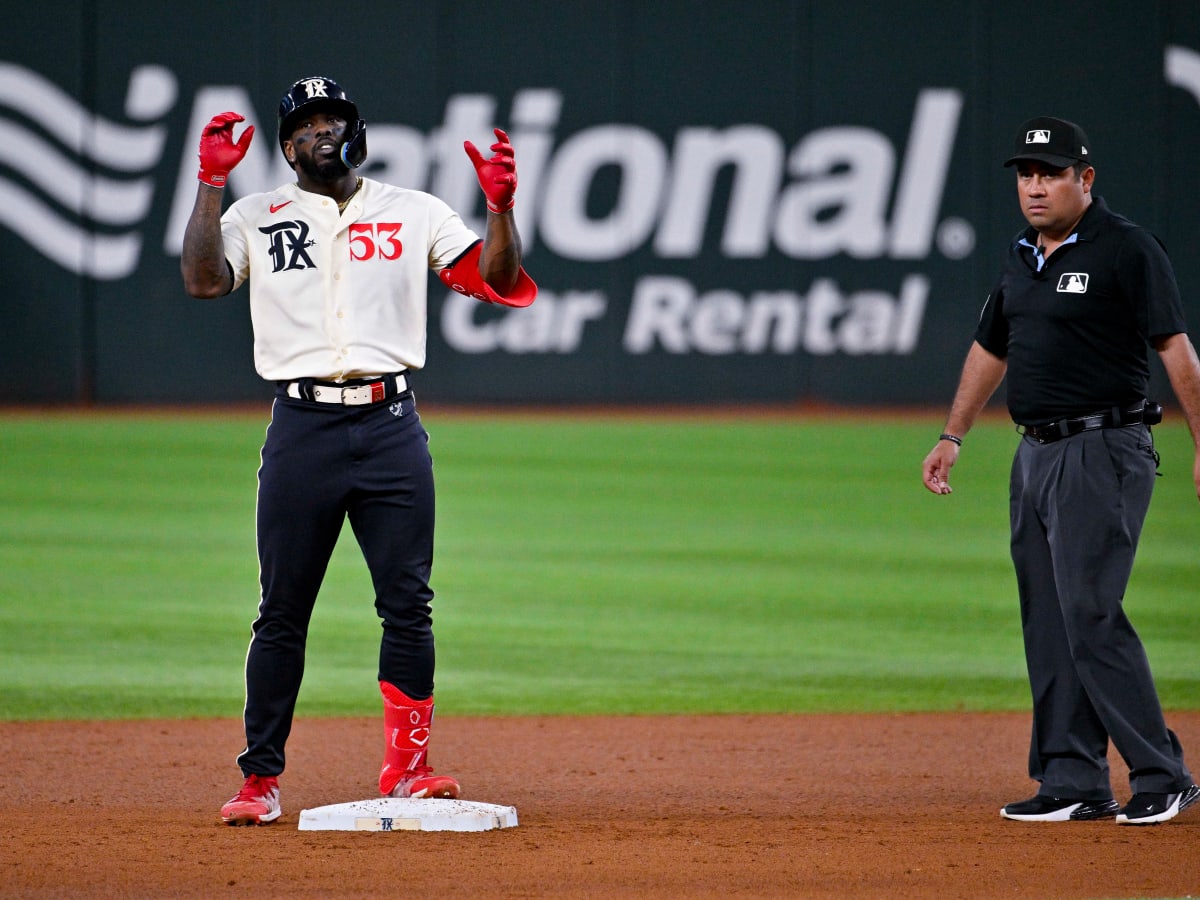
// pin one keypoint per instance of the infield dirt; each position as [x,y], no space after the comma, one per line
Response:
[811,806]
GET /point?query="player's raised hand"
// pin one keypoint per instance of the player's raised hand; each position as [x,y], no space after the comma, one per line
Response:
[219,153]
[497,175]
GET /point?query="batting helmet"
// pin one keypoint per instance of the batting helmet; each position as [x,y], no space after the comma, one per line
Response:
[308,94]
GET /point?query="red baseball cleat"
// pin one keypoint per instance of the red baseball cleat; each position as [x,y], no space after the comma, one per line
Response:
[257,803]
[421,783]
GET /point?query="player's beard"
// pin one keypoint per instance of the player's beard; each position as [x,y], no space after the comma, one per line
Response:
[328,169]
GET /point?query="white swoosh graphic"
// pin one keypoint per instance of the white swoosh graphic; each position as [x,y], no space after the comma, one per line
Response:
[72,247]
[1181,67]
[125,148]
[101,199]
[77,173]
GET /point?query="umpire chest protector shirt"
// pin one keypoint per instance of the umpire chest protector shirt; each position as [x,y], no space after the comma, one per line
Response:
[336,296]
[1075,332]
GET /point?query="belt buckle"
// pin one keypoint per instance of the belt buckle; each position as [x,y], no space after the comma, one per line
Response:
[1046,434]
[365,394]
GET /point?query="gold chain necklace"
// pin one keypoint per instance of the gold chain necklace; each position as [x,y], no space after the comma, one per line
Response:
[342,206]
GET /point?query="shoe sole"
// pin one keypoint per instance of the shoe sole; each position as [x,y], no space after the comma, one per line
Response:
[1182,802]
[1066,814]
[443,787]
[1165,816]
[444,794]
[251,820]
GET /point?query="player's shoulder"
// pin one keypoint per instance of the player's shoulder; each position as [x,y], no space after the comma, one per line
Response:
[270,202]
[380,198]
[386,190]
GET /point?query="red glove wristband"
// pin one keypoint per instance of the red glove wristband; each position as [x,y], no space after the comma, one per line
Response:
[218,151]
[214,178]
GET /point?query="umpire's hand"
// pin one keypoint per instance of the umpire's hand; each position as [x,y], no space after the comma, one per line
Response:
[935,471]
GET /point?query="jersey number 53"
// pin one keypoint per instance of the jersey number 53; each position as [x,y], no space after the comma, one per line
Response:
[370,240]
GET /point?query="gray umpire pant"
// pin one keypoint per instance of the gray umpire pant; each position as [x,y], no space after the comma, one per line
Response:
[1076,507]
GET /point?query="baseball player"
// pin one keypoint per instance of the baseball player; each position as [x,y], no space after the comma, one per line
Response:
[1082,295]
[338,268]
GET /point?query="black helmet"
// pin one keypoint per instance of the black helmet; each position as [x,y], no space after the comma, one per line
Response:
[306,94]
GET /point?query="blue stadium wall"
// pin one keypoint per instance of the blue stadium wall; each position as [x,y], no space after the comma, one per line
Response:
[722,202]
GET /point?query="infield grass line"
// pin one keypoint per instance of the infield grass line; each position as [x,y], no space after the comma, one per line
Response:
[584,565]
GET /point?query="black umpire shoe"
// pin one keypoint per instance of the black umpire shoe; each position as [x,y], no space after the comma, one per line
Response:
[1060,809]
[1150,809]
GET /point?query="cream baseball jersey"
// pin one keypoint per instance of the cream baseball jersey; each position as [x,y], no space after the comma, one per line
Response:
[337,296]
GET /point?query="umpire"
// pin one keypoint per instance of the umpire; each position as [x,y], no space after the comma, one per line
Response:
[1081,294]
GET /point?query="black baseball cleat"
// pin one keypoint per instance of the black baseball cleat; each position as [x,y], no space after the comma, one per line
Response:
[1059,809]
[1151,809]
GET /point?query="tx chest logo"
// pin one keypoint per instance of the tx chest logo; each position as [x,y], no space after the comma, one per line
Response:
[1073,283]
[289,246]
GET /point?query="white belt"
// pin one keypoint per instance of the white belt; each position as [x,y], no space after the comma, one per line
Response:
[356,395]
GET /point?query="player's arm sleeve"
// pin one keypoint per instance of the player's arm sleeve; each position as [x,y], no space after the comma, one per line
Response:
[454,255]
[237,251]
[462,275]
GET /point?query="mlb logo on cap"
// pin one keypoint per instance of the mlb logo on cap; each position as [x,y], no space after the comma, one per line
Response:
[1055,142]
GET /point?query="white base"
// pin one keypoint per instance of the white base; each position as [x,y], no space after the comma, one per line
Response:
[391,814]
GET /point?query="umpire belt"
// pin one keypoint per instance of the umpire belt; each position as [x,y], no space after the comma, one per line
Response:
[1116,417]
[358,392]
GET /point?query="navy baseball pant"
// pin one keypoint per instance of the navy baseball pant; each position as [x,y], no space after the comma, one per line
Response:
[321,465]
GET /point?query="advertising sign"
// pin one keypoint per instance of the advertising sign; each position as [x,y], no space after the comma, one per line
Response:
[805,204]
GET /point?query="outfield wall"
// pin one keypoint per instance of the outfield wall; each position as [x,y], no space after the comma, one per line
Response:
[761,201]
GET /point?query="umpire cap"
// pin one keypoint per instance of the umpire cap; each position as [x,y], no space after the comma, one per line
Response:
[1055,142]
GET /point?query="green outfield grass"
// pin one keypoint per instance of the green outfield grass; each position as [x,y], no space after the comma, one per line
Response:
[618,565]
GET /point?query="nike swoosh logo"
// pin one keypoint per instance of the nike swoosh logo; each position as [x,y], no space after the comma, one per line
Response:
[276,209]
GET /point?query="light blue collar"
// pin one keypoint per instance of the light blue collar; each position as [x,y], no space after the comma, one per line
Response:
[1037,250]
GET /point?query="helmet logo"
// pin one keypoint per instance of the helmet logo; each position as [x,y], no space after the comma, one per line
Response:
[315,87]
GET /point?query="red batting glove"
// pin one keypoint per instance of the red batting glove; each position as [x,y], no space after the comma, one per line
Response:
[218,152]
[498,175]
